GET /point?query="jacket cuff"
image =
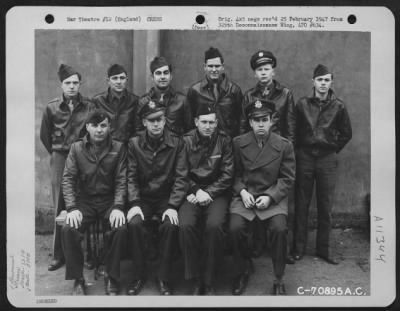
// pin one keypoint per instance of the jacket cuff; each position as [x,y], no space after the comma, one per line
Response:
[194,189]
[170,206]
[70,209]
[135,203]
[118,207]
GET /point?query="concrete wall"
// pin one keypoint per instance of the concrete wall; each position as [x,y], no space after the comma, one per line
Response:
[92,51]
[348,53]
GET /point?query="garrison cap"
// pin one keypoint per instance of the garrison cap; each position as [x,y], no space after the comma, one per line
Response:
[116,70]
[259,108]
[204,110]
[321,70]
[158,62]
[152,107]
[65,71]
[261,58]
[213,53]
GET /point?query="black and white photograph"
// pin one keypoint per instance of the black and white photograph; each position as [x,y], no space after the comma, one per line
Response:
[238,155]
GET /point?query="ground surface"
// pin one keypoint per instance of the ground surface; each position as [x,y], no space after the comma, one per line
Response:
[351,247]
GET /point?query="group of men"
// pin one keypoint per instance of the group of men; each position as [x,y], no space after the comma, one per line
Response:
[205,165]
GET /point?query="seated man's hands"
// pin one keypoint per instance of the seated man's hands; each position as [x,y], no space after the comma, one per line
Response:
[203,198]
[263,202]
[247,198]
[135,210]
[74,218]
[172,215]
[117,218]
[192,199]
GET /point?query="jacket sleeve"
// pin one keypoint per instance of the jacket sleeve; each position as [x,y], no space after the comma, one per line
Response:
[244,122]
[133,185]
[291,119]
[120,181]
[180,186]
[188,121]
[45,130]
[345,130]
[70,180]
[191,107]
[286,176]
[225,179]
[138,120]
[238,111]
[238,183]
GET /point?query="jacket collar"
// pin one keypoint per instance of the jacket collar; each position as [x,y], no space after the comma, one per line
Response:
[223,83]
[167,139]
[275,87]
[154,92]
[78,100]
[331,97]
[88,147]
[112,96]
[257,157]
[197,139]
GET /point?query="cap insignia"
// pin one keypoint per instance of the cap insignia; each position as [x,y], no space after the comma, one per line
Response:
[152,104]
[258,104]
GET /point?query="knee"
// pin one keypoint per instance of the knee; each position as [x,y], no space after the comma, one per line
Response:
[67,230]
[135,223]
[214,226]
[279,228]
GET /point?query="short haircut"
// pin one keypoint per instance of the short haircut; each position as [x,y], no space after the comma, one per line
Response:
[97,116]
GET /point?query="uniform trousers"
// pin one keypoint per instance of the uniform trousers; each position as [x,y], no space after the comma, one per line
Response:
[115,241]
[139,232]
[57,164]
[201,236]
[322,171]
[277,234]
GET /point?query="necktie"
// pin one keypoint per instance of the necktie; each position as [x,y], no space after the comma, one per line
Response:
[71,105]
[260,144]
[266,92]
[162,97]
[215,91]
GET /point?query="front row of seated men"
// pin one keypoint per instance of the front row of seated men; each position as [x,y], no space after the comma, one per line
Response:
[191,183]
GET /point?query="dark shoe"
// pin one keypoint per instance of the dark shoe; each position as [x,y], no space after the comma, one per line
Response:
[279,289]
[111,286]
[55,264]
[164,287]
[134,287]
[328,259]
[297,257]
[240,284]
[209,291]
[290,260]
[79,288]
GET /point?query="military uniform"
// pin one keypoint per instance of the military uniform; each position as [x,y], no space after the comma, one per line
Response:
[95,184]
[177,112]
[157,181]
[323,129]
[210,169]
[266,171]
[62,124]
[122,110]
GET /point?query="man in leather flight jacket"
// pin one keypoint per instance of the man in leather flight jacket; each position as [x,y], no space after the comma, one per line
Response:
[323,129]
[62,124]
[217,91]
[211,171]
[177,113]
[157,185]
[121,105]
[94,188]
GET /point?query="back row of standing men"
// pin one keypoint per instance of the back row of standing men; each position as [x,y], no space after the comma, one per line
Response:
[195,175]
